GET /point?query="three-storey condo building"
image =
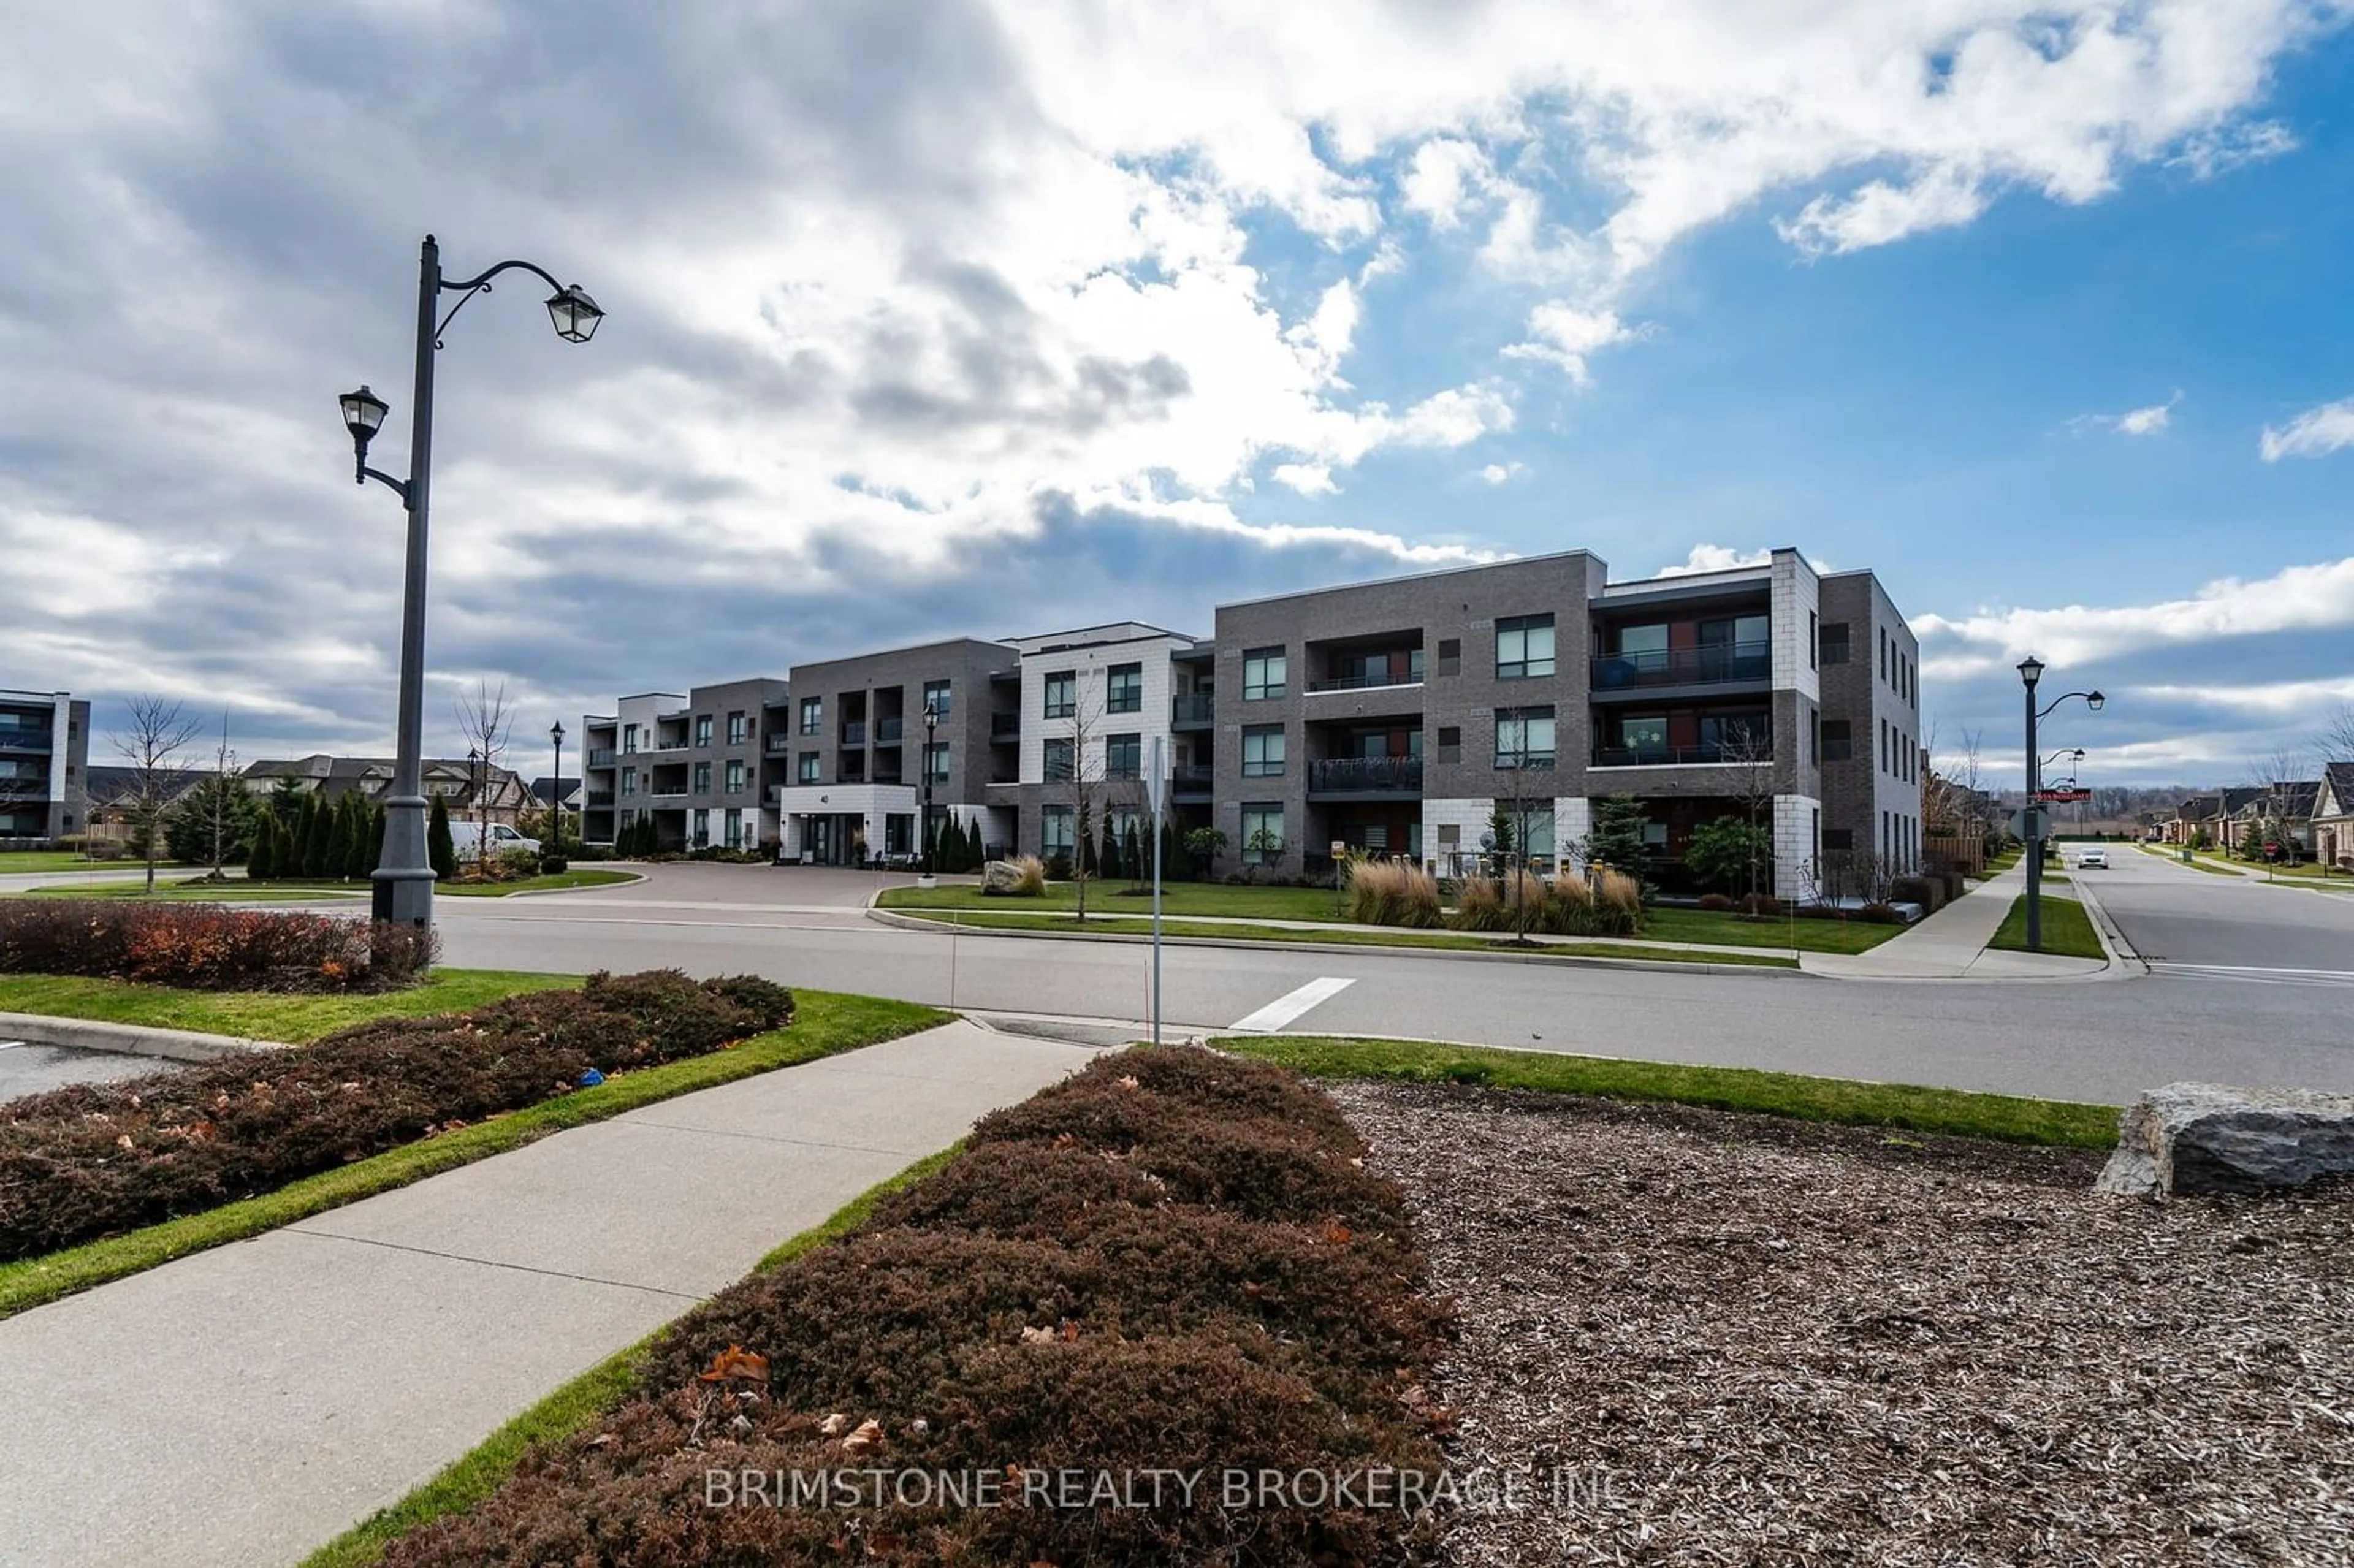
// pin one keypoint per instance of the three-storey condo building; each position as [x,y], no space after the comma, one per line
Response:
[44,764]
[1397,716]
[703,765]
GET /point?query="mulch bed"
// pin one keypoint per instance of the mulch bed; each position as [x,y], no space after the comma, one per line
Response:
[1719,1337]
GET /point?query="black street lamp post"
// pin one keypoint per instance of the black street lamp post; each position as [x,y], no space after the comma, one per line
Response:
[555,789]
[2031,671]
[404,875]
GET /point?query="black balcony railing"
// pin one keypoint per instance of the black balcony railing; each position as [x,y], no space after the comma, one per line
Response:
[1192,775]
[1351,774]
[1369,681]
[886,731]
[599,798]
[853,734]
[1193,707]
[1005,727]
[1670,756]
[1685,666]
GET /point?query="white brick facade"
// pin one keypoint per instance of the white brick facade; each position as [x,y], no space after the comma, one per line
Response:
[1572,819]
[1797,820]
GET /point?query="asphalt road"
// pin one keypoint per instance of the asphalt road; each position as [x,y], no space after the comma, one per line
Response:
[2268,1022]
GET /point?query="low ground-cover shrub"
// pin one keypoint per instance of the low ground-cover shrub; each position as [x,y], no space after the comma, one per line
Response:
[89,1160]
[1142,1323]
[209,946]
[1714,903]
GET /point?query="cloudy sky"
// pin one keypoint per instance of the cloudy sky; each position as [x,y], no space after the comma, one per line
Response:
[931,317]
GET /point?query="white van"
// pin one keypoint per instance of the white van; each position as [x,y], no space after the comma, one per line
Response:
[466,836]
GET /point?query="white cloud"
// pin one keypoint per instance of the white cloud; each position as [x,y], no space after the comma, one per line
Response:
[2287,700]
[1564,335]
[1307,478]
[1445,175]
[1716,558]
[1501,473]
[2317,433]
[2297,599]
[1880,214]
[2148,421]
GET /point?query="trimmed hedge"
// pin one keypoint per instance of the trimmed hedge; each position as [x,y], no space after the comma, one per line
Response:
[87,1160]
[1093,1287]
[209,946]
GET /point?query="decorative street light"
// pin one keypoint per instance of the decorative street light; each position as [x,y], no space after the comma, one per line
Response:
[931,727]
[404,874]
[555,789]
[2031,671]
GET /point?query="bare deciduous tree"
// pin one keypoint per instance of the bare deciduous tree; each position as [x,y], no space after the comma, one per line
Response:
[2336,741]
[151,745]
[485,719]
[224,760]
[1749,745]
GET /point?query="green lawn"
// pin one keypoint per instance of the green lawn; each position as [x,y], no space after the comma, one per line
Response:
[2067,929]
[2004,1116]
[261,1015]
[23,863]
[309,890]
[579,876]
[2196,863]
[1770,931]
[1354,936]
[2001,862]
[826,1023]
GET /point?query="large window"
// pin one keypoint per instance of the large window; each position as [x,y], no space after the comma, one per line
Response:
[735,839]
[1062,694]
[1124,689]
[1264,671]
[1524,737]
[1124,757]
[702,778]
[1057,832]
[1523,647]
[1838,743]
[1262,834]
[936,762]
[813,716]
[1734,736]
[1061,760]
[935,697]
[738,727]
[1834,643]
[703,729]
[738,773]
[808,774]
[629,780]
[702,827]
[629,738]
[1263,751]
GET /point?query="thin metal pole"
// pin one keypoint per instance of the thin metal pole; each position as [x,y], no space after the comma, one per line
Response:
[556,797]
[1156,835]
[403,890]
[2034,834]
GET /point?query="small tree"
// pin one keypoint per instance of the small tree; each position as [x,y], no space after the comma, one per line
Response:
[1617,840]
[215,823]
[319,839]
[1724,853]
[1134,855]
[1206,845]
[485,719]
[260,861]
[286,797]
[151,744]
[1748,745]
[1108,861]
[440,849]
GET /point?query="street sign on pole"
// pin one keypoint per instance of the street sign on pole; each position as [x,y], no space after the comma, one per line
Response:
[2069,794]
[2032,823]
[1156,795]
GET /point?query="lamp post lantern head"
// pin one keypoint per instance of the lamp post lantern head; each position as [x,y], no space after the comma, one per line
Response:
[555,732]
[2031,670]
[2093,700]
[364,414]
[575,315]
[931,719]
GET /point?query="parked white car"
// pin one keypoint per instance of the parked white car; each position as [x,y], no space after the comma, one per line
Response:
[466,836]
[2092,860]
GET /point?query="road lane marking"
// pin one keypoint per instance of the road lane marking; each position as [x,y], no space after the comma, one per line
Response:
[1291,1004]
[2249,974]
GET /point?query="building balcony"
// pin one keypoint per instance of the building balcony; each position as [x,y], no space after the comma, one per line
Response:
[853,734]
[1005,727]
[596,797]
[1715,664]
[1677,756]
[1365,776]
[1192,710]
[778,746]
[601,757]
[888,731]
[665,793]
[26,742]
[1193,779]
[663,745]
[1373,681]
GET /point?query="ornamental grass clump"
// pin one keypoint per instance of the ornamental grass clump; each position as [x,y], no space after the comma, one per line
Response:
[1172,1262]
[1393,893]
[1605,903]
[94,1159]
[1479,906]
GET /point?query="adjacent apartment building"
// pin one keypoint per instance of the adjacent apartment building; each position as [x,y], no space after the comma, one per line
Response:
[44,764]
[703,765]
[1390,717]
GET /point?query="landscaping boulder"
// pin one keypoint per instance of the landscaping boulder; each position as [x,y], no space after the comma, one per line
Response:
[2209,1138]
[1002,877]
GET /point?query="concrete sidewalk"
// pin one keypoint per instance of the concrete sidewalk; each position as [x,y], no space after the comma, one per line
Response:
[1952,945]
[242,1406]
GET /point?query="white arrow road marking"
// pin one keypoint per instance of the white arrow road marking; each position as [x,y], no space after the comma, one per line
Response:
[1291,1004]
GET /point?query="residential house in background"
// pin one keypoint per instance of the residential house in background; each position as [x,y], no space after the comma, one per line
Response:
[44,758]
[2333,816]
[469,790]
[110,797]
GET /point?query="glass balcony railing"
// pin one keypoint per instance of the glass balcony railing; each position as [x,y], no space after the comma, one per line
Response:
[886,731]
[1351,774]
[1193,776]
[1671,756]
[1005,727]
[853,734]
[1193,707]
[601,757]
[1685,666]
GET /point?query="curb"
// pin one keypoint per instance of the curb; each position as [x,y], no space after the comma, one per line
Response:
[915,923]
[128,1039]
[2123,958]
